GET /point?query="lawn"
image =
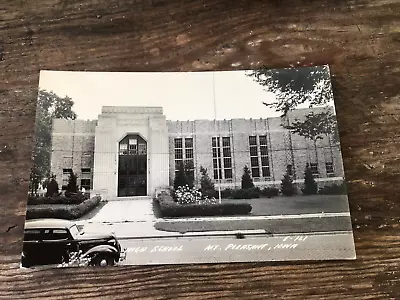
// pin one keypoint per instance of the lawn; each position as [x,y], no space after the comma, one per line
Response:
[282,205]
[279,205]
[270,226]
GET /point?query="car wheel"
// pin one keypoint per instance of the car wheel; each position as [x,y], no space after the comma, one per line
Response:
[104,261]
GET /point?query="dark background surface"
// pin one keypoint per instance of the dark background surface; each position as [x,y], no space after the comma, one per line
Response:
[359,39]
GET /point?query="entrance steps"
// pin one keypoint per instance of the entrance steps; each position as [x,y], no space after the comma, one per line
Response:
[126,209]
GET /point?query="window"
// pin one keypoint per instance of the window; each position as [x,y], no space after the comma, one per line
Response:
[329,169]
[188,143]
[222,160]
[264,156]
[259,159]
[227,156]
[132,147]
[314,168]
[178,143]
[255,167]
[55,234]
[65,176]
[178,154]
[184,154]
[85,170]
[32,234]
[85,184]
[142,149]
[123,149]
[189,153]
[217,162]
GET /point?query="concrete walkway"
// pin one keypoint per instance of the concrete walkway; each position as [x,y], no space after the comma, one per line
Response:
[125,218]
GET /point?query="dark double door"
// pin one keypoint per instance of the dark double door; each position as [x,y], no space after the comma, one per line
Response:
[132,167]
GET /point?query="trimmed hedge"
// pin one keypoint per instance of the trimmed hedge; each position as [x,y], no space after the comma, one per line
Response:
[251,193]
[59,199]
[61,211]
[270,192]
[334,189]
[170,209]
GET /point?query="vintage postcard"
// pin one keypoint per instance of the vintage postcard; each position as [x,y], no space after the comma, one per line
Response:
[151,168]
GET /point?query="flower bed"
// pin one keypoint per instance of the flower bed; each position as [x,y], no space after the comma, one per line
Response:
[186,195]
[59,199]
[62,211]
[171,209]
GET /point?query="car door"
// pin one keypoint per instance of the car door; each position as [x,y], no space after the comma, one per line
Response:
[33,252]
[57,242]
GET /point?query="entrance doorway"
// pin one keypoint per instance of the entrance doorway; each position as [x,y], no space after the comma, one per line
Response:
[132,166]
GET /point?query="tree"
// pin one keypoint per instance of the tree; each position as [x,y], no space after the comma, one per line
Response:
[189,171]
[52,187]
[34,180]
[49,106]
[295,87]
[310,185]
[287,186]
[247,181]
[182,176]
[207,187]
[72,186]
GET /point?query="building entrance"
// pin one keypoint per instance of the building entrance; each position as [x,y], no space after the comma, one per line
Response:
[132,166]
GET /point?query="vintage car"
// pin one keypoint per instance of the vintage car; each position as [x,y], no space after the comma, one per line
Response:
[55,241]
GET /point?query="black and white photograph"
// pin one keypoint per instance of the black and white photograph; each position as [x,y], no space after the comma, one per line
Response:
[153,168]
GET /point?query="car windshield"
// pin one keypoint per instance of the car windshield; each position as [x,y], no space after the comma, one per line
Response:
[75,231]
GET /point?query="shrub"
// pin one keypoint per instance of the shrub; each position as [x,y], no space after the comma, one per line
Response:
[69,212]
[167,207]
[310,185]
[52,188]
[207,186]
[270,192]
[182,177]
[72,186]
[58,199]
[287,186]
[246,193]
[247,181]
[186,195]
[334,189]
[227,193]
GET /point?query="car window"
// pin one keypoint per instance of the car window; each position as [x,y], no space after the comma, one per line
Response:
[32,234]
[74,230]
[55,234]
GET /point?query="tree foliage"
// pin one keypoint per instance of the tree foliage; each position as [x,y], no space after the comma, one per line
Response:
[49,106]
[207,186]
[310,185]
[72,186]
[52,188]
[247,181]
[288,188]
[316,126]
[297,87]
[184,176]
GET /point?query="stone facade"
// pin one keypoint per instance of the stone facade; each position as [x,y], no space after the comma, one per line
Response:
[263,145]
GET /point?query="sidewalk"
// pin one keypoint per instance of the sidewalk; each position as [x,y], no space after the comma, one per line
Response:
[135,219]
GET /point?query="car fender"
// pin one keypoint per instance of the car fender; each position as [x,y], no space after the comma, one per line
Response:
[101,249]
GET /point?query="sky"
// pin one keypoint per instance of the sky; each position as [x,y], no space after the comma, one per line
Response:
[183,95]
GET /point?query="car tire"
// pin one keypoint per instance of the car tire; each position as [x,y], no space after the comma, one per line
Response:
[104,261]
